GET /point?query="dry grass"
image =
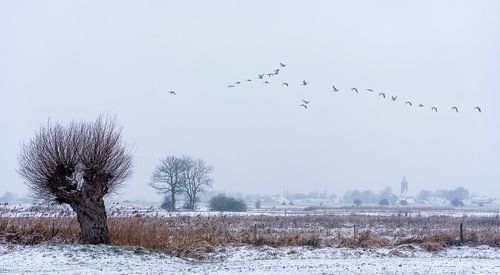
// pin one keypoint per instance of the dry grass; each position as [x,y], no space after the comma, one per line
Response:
[365,239]
[194,237]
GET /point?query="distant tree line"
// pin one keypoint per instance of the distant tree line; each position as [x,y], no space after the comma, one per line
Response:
[8,197]
[386,196]
[457,194]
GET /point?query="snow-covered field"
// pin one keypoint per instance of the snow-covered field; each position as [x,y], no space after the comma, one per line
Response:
[392,259]
[88,259]
[123,209]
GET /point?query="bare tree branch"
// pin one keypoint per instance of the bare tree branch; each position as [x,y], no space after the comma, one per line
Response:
[77,164]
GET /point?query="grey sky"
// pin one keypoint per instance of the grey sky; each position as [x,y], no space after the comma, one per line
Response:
[75,59]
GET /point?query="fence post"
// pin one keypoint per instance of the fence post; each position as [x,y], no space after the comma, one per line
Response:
[355,232]
[255,231]
[461,233]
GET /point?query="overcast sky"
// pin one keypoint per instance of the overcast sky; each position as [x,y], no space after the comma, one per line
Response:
[72,60]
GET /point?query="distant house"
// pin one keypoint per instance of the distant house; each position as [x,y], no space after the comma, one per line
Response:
[406,201]
[481,200]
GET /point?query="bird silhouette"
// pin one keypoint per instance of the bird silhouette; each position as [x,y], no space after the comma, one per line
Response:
[230,86]
[304,83]
[266,82]
[261,76]
[370,90]
[237,82]
[249,80]
[303,105]
[335,88]
[305,101]
[270,74]
[420,105]
[356,90]
[394,98]
[276,71]
[284,84]
[381,94]
[477,107]
[408,102]
[282,65]
[454,108]
[172,92]
[435,109]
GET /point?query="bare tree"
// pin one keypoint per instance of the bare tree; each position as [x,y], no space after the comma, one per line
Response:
[168,177]
[78,164]
[197,179]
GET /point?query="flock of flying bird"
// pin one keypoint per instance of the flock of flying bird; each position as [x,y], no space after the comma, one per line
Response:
[304,104]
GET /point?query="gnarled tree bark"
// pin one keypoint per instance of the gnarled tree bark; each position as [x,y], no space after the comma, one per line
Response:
[78,165]
[91,214]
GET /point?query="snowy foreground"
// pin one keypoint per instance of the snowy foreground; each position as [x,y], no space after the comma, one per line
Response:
[87,259]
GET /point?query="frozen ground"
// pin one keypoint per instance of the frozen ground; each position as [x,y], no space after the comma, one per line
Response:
[86,259]
[125,209]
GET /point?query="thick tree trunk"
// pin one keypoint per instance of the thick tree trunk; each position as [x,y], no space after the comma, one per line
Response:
[192,201]
[173,200]
[93,220]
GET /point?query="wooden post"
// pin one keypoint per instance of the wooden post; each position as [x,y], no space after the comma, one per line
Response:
[355,232]
[255,234]
[461,233]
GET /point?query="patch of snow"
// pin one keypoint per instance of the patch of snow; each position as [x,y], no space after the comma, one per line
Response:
[101,259]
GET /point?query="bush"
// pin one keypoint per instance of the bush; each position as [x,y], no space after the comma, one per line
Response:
[167,203]
[383,202]
[357,202]
[258,204]
[223,203]
[457,203]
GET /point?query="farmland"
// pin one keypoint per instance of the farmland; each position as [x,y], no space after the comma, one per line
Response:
[339,236]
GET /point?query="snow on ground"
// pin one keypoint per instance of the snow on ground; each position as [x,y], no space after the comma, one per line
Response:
[133,209]
[88,259]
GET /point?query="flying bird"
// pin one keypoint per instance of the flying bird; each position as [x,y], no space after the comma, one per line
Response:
[335,88]
[172,92]
[370,90]
[381,94]
[408,102]
[249,80]
[356,90]
[276,71]
[237,82]
[230,86]
[305,101]
[282,65]
[435,109]
[304,83]
[284,84]
[454,108]
[394,98]
[266,82]
[303,105]
[261,76]
[270,74]
[420,105]
[477,107]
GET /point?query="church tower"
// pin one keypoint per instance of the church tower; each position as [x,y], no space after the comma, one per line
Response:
[404,187]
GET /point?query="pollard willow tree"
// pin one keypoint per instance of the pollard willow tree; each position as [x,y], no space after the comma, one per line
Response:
[78,164]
